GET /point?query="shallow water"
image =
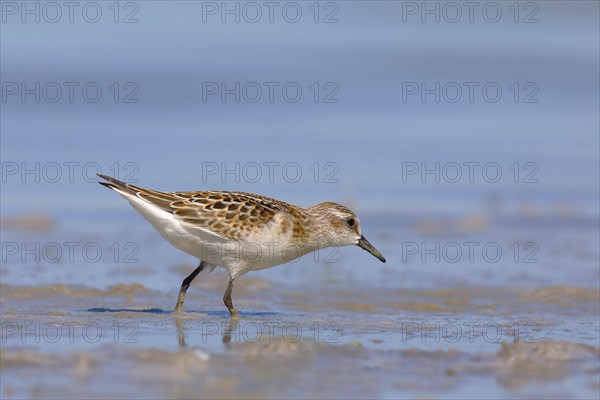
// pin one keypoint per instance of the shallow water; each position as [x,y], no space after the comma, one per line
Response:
[307,344]
[308,329]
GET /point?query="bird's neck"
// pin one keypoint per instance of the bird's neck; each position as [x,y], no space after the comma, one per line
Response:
[318,236]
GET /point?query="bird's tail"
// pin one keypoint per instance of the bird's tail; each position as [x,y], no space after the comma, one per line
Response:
[119,186]
[134,193]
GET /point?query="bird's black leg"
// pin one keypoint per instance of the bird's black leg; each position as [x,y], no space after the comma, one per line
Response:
[227,299]
[185,285]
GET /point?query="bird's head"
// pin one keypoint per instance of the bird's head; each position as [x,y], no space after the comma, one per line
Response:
[341,227]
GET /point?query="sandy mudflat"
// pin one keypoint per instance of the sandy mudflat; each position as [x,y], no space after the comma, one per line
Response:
[125,342]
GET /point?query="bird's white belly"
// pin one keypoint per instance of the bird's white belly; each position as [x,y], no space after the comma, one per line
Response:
[258,252]
[238,257]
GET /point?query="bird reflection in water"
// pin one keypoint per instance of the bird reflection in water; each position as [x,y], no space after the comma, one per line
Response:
[226,331]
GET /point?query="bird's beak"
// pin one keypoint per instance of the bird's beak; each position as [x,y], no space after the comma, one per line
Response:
[364,244]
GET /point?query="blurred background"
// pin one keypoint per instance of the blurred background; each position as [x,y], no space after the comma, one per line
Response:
[447,127]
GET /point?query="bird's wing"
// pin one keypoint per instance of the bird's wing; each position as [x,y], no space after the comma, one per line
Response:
[232,215]
[229,215]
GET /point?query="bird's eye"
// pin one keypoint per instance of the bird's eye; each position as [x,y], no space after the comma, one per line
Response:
[350,221]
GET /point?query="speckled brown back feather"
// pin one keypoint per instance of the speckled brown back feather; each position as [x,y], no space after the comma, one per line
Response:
[232,215]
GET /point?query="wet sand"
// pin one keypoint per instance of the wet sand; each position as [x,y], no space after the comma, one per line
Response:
[445,343]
